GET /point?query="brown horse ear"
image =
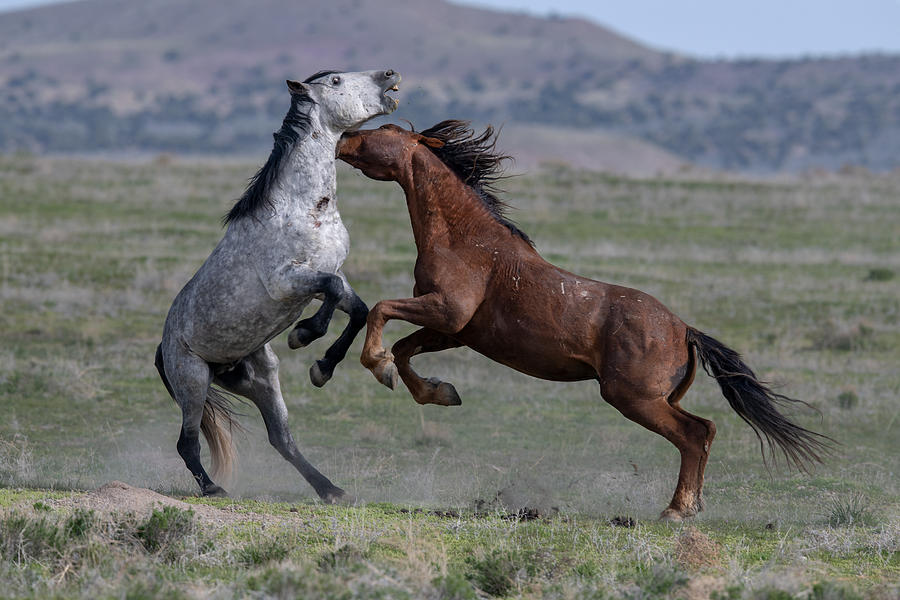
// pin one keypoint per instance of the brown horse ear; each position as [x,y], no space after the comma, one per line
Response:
[296,87]
[431,142]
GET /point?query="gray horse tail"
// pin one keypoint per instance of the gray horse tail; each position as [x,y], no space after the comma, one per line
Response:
[217,424]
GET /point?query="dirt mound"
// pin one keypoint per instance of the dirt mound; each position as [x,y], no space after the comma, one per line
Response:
[695,550]
[117,496]
[121,498]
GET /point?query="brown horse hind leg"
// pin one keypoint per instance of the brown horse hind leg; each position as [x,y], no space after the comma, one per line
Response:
[675,401]
[431,390]
[687,433]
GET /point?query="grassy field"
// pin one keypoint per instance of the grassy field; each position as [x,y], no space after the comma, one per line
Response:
[801,276]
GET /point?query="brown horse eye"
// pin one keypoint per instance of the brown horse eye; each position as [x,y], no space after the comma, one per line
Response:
[335,80]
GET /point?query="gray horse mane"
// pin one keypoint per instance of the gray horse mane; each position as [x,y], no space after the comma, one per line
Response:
[295,127]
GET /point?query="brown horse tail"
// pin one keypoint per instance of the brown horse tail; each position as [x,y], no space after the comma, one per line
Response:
[217,424]
[756,404]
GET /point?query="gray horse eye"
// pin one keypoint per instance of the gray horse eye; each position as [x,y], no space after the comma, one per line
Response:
[336,80]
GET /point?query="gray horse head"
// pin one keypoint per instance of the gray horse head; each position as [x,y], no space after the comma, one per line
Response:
[347,100]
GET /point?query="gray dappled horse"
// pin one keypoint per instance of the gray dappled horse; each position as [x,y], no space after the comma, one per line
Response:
[284,245]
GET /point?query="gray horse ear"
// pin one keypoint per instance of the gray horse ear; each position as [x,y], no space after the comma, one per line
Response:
[296,87]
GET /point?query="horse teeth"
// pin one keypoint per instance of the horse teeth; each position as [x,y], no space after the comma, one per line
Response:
[395,88]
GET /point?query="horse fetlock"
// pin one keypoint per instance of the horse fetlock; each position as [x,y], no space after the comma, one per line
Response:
[370,359]
[320,372]
[683,506]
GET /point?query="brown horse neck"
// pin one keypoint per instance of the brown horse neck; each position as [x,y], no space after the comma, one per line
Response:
[441,206]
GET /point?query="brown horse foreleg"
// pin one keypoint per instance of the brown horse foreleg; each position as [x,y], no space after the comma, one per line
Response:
[435,311]
[688,433]
[431,390]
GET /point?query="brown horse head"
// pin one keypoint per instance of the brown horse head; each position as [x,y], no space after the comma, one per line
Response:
[381,153]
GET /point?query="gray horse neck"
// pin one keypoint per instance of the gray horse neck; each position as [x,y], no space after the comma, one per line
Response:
[308,174]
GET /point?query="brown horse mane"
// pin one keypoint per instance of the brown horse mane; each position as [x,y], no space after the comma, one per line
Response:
[476,161]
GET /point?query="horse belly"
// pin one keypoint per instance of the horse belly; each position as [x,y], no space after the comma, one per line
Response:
[517,341]
[225,331]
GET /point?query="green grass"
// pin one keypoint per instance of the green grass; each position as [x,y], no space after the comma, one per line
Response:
[92,253]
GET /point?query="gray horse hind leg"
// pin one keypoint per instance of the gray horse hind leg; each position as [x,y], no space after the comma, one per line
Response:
[256,378]
[189,387]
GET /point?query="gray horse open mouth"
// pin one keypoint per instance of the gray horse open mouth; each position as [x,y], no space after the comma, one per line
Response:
[393,88]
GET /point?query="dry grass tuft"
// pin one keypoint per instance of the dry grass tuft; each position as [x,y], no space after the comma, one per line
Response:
[845,338]
[373,433]
[16,461]
[433,434]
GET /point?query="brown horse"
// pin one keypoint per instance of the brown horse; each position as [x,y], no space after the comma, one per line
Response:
[480,283]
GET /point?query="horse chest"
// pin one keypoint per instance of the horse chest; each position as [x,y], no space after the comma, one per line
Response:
[322,244]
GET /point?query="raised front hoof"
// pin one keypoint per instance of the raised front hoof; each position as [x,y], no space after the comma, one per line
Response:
[300,337]
[441,393]
[214,491]
[319,374]
[386,373]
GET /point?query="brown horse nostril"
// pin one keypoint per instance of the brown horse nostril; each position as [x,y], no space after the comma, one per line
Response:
[389,73]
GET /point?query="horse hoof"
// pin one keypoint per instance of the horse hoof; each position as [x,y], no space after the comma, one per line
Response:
[672,515]
[214,491]
[300,338]
[317,376]
[336,496]
[446,395]
[387,374]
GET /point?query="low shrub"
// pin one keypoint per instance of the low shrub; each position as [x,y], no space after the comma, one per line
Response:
[164,527]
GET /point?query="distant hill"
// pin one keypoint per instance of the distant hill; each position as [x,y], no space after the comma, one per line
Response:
[208,76]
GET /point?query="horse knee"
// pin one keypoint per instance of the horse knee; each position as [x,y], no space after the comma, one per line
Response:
[358,313]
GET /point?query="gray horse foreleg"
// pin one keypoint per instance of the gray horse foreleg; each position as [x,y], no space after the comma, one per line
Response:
[307,330]
[256,378]
[322,370]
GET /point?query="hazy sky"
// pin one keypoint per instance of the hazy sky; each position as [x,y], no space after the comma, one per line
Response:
[724,28]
